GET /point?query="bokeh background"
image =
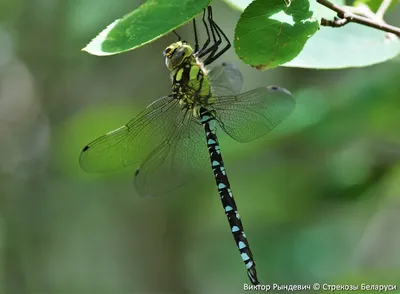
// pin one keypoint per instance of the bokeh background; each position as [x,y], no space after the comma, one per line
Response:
[319,196]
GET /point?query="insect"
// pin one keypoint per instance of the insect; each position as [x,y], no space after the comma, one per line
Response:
[168,139]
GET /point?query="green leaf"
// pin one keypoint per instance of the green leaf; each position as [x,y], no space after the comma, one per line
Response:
[147,23]
[319,10]
[353,45]
[269,33]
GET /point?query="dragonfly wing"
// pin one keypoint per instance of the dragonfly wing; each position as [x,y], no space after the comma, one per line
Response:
[250,115]
[132,142]
[178,160]
[225,80]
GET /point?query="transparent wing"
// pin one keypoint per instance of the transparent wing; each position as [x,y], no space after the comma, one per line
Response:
[225,80]
[132,142]
[248,116]
[175,162]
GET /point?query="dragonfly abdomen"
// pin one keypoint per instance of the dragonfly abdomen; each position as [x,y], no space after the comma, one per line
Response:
[226,196]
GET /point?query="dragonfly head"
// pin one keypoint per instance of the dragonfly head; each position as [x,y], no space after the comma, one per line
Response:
[176,53]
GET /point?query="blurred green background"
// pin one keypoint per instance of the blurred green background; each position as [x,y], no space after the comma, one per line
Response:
[320,196]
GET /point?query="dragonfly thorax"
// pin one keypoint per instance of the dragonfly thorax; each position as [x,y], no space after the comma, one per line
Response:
[190,84]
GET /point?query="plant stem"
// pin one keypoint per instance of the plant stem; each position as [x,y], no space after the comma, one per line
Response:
[383,8]
[351,17]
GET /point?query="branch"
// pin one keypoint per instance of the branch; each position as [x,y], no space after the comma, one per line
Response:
[383,8]
[335,23]
[351,17]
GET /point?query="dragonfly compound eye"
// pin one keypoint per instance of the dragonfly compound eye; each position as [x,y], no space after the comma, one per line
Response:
[167,51]
[175,56]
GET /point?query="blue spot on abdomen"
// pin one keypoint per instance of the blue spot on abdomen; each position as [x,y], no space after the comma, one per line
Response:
[245,256]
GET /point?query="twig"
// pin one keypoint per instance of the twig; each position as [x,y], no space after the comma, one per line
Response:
[351,17]
[362,10]
[337,22]
[383,8]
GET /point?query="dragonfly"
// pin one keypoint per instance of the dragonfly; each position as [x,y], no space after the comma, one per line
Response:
[175,136]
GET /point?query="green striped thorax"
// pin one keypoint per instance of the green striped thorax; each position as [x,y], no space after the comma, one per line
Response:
[190,83]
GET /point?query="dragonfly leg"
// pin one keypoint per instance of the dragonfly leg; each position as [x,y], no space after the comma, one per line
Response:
[176,34]
[205,49]
[208,40]
[216,32]
[214,56]
[196,38]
